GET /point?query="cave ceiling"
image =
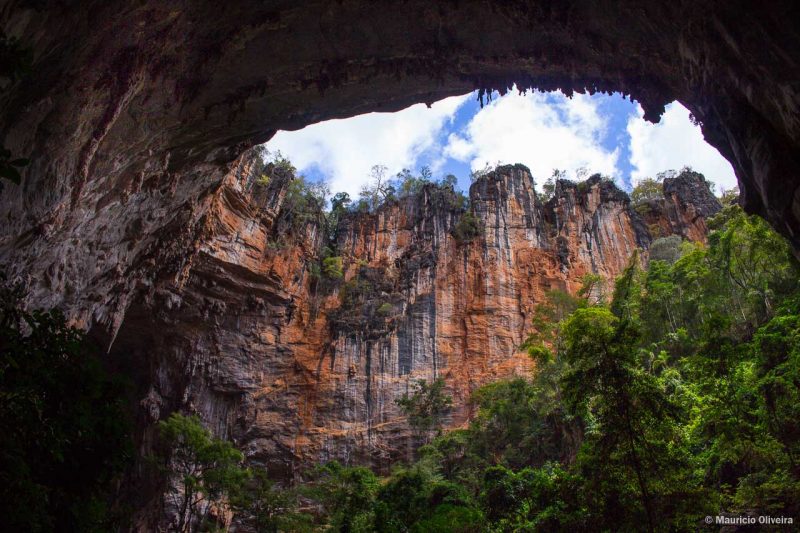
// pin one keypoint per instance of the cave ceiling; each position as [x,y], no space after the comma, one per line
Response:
[126,95]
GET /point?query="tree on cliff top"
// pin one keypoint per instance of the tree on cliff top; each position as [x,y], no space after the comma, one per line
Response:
[647,189]
[378,188]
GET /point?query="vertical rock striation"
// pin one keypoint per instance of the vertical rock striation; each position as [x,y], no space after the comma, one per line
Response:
[297,368]
[683,210]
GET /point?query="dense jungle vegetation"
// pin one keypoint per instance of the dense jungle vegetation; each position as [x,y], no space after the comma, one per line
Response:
[673,398]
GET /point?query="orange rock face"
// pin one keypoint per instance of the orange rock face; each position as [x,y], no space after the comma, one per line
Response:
[298,368]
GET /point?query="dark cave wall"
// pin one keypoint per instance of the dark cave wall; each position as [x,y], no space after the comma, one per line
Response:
[135,114]
[133,111]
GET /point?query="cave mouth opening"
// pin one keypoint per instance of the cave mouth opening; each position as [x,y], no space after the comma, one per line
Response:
[462,136]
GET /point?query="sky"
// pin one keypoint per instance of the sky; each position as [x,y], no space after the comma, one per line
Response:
[544,131]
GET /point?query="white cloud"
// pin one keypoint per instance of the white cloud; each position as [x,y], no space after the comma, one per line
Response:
[672,144]
[542,131]
[345,150]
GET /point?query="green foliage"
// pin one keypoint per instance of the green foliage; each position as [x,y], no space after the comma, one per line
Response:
[332,268]
[449,181]
[593,288]
[407,184]
[384,309]
[667,249]
[426,406]
[378,189]
[282,164]
[729,196]
[676,400]
[303,203]
[64,429]
[631,459]
[477,174]
[206,470]
[340,204]
[647,189]
[354,292]
[268,508]
[549,186]
[467,228]
[348,496]
[545,339]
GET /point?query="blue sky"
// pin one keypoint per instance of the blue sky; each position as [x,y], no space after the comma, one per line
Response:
[600,133]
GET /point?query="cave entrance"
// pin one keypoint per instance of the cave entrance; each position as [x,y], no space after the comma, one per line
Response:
[463,136]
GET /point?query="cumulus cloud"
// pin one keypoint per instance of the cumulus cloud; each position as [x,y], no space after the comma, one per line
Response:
[345,150]
[542,131]
[672,144]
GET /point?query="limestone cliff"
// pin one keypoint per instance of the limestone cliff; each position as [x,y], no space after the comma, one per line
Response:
[297,369]
[127,98]
[683,210]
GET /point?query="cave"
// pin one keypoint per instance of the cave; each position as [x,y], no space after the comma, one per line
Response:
[149,94]
[134,117]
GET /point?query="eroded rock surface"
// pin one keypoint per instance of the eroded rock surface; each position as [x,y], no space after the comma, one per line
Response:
[133,111]
[297,368]
[687,203]
[137,217]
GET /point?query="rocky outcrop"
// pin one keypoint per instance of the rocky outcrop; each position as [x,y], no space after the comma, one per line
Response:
[216,307]
[135,215]
[124,99]
[297,368]
[686,204]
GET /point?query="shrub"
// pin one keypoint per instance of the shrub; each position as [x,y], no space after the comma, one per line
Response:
[666,249]
[332,267]
[314,270]
[647,189]
[467,228]
[426,406]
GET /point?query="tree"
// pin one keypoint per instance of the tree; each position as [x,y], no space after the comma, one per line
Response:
[425,173]
[449,181]
[593,288]
[332,268]
[479,173]
[729,196]
[667,249]
[630,452]
[340,204]
[302,203]
[347,495]
[647,189]
[268,508]
[378,188]
[203,470]
[64,424]
[467,228]
[757,261]
[667,174]
[426,406]
[549,187]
